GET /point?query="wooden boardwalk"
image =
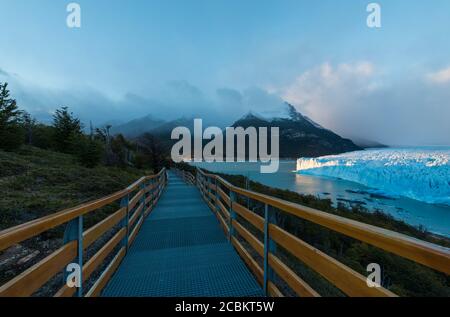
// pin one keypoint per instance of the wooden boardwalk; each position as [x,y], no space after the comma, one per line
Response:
[168,242]
[182,251]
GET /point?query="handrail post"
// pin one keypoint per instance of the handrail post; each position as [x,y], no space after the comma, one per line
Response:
[74,232]
[266,248]
[232,215]
[153,191]
[209,190]
[196,177]
[125,221]
[269,246]
[144,194]
[216,202]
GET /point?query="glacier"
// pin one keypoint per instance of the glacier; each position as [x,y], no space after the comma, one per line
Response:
[418,173]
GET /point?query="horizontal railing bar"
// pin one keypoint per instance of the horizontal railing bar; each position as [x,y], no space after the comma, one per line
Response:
[148,199]
[137,183]
[349,281]
[250,238]
[212,186]
[92,234]
[224,210]
[274,290]
[98,258]
[291,278]
[97,288]
[211,206]
[150,208]
[134,201]
[151,187]
[223,223]
[135,231]
[135,216]
[212,196]
[250,216]
[94,262]
[255,268]
[224,196]
[34,277]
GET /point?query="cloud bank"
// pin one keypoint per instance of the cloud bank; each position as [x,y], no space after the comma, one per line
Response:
[358,100]
[353,99]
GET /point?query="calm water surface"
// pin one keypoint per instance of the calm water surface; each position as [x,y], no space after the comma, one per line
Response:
[435,218]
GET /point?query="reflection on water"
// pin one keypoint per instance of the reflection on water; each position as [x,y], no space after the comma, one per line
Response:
[435,218]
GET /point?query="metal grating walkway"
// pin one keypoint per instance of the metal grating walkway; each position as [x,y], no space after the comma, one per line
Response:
[182,251]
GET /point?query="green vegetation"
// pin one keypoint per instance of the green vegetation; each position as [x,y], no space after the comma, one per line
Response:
[36,182]
[66,135]
[46,168]
[11,132]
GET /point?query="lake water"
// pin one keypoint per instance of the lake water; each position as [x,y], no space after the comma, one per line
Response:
[436,218]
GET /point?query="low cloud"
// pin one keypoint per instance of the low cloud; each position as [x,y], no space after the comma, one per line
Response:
[4,73]
[357,100]
[440,77]
[352,99]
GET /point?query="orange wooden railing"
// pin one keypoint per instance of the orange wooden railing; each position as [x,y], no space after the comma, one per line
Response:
[128,220]
[352,283]
[187,177]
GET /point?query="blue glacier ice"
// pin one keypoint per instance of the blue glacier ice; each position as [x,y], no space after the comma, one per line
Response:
[418,173]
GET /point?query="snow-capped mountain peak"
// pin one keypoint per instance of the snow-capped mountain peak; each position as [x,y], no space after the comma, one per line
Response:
[285,112]
[252,115]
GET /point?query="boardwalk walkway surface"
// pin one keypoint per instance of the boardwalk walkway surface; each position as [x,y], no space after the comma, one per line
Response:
[182,251]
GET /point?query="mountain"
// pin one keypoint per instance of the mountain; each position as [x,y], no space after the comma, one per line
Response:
[299,135]
[368,144]
[137,127]
[166,128]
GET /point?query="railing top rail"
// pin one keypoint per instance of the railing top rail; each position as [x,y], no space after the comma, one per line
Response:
[10,236]
[429,254]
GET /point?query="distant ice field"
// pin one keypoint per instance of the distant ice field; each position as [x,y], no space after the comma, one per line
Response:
[419,173]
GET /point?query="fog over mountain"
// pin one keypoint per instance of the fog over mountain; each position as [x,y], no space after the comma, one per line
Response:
[351,104]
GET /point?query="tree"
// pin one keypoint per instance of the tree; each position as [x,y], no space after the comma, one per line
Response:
[121,149]
[29,124]
[67,130]
[89,151]
[11,133]
[42,136]
[152,151]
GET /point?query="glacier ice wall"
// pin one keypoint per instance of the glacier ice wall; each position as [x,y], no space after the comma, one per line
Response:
[417,173]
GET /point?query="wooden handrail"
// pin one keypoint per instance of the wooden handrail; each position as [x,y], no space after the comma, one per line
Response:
[30,229]
[351,282]
[92,234]
[97,288]
[428,254]
[22,232]
[186,176]
[33,278]
[293,280]
[29,281]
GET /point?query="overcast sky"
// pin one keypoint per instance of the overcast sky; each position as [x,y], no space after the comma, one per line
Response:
[220,58]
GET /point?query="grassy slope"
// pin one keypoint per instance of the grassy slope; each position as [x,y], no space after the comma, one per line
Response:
[35,182]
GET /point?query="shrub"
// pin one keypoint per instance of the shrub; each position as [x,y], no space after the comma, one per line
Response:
[89,152]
